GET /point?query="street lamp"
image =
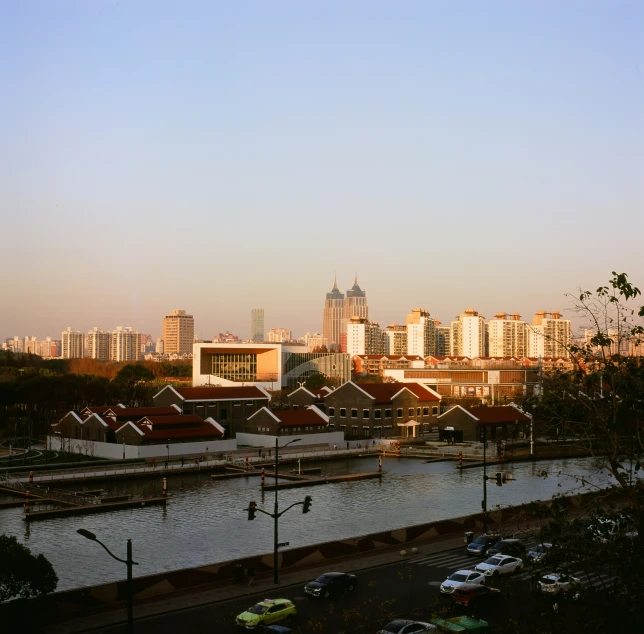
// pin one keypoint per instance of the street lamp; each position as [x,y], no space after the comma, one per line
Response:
[128,562]
[484,479]
[167,462]
[276,513]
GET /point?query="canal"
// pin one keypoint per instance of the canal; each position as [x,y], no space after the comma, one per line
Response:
[205,521]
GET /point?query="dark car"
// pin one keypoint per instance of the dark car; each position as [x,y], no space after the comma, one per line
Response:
[331,583]
[404,626]
[475,595]
[512,547]
[480,545]
[539,553]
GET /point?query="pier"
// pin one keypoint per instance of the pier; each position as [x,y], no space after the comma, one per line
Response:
[305,481]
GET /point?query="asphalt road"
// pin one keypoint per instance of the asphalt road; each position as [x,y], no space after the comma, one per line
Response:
[408,589]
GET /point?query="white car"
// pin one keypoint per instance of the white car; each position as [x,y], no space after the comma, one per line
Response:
[500,565]
[554,583]
[459,578]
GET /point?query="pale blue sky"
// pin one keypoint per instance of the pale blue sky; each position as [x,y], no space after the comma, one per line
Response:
[219,156]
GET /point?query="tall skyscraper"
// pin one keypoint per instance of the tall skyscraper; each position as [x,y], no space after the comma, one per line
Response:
[125,344]
[469,335]
[178,332]
[257,325]
[507,336]
[443,338]
[98,344]
[549,335]
[72,344]
[421,333]
[355,303]
[333,317]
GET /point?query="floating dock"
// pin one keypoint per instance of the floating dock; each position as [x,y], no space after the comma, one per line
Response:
[92,508]
[308,481]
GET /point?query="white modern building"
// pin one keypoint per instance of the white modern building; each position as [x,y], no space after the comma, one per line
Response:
[271,366]
[468,335]
[421,333]
[507,336]
[125,344]
[549,335]
[365,337]
[98,344]
[72,344]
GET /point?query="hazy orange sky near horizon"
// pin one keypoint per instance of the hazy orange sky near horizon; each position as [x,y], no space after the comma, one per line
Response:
[218,157]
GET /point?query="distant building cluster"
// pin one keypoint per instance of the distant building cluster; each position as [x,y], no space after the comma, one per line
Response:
[47,348]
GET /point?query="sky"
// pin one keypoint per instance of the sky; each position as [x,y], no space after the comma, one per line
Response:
[223,156]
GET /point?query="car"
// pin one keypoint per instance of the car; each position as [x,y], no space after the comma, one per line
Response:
[560,583]
[462,624]
[475,595]
[500,565]
[479,546]
[266,612]
[538,553]
[514,547]
[404,626]
[331,583]
[457,579]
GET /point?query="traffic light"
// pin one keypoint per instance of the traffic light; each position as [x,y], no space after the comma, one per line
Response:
[252,509]
[499,479]
[307,504]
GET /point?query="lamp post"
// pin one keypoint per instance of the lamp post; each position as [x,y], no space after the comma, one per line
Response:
[484,479]
[167,460]
[128,562]
[276,513]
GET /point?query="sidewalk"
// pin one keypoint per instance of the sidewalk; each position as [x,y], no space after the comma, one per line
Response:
[178,601]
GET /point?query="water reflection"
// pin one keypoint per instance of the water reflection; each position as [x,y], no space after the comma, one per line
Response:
[205,520]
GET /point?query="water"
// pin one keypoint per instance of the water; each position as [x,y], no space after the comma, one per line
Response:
[206,520]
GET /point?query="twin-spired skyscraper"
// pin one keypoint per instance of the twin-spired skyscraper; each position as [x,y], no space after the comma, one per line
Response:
[339,309]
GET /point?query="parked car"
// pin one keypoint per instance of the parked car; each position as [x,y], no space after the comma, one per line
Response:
[500,565]
[331,583]
[462,624]
[404,626]
[514,547]
[480,545]
[266,612]
[475,595]
[539,553]
[554,584]
[460,577]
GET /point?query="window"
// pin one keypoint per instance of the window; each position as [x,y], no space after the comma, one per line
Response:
[249,403]
[200,405]
[425,411]
[365,413]
[365,432]
[377,413]
[343,412]
[331,426]
[223,414]
[331,411]
[399,412]
[236,403]
[434,411]
[410,412]
[343,427]
[354,430]
[354,413]
[295,407]
[418,411]
[387,413]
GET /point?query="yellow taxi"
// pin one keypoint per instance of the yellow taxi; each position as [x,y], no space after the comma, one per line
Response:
[266,612]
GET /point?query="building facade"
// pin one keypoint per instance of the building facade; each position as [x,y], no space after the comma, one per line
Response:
[98,344]
[72,344]
[355,304]
[364,337]
[549,335]
[333,317]
[507,336]
[125,344]
[178,332]
[396,335]
[257,325]
[279,335]
[421,333]
[469,335]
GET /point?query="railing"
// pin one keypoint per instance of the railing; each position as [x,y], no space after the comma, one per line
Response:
[47,492]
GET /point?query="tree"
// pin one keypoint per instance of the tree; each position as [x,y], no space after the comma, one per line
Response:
[22,574]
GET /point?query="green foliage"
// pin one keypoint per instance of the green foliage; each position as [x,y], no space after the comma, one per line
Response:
[315,381]
[22,574]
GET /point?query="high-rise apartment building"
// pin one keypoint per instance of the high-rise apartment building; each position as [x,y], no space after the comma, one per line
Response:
[396,336]
[279,335]
[98,344]
[72,344]
[314,341]
[365,337]
[125,344]
[549,335]
[469,335]
[257,325]
[159,348]
[443,339]
[421,333]
[178,332]
[31,345]
[333,317]
[507,336]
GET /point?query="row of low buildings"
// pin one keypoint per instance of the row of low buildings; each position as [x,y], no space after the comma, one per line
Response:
[187,421]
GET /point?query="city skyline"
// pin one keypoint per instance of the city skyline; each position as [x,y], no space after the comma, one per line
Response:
[454,154]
